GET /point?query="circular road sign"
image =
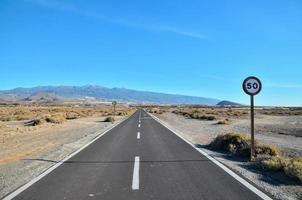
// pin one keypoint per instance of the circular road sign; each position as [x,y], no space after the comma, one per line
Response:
[114,103]
[252,85]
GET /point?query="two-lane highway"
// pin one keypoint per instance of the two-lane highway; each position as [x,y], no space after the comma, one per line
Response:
[138,159]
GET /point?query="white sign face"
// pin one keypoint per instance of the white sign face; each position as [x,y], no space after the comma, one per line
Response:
[252,85]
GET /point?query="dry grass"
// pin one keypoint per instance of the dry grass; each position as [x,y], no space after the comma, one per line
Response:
[235,143]
[156,110]
[223,122]
[109,119]
[240,144]
[232,112]
[56,114]
[211,113]
[269,159]
[281,111]
[274,163]
[291,167]
[72,115]
[195,115]
[55,119]
[294,168]
[267,149]
[124,113]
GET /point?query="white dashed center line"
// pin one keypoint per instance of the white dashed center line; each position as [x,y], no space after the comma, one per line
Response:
[138,135]
[135,179]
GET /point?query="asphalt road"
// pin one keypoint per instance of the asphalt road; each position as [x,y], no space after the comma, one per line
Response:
[125,164]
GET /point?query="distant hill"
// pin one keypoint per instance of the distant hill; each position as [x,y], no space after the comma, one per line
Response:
[42,98]
[53,93]
[228,103]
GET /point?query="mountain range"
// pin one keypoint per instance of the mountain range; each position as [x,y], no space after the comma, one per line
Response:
[95,92]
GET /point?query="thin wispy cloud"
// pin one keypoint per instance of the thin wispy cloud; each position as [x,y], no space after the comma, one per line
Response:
[122,22]
[183,33]
[68,8]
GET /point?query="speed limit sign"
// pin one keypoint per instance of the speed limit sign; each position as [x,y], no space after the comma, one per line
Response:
[252,85]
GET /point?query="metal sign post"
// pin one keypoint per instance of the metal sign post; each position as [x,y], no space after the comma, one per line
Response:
[114,104]
[252,86]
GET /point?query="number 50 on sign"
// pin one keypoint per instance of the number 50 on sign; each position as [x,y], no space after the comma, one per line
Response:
[252,85]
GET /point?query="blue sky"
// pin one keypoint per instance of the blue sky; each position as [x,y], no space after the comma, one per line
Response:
[194,47]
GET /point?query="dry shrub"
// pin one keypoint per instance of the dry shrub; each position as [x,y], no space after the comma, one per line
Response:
[176,112]
[223,122]
[266,149]
[122,113]
[202,117]
[231,142]
[56,119]
[217,112]
[156,111]
[282,111]
[291,167]
[240,144]
[109,119]
[6,118]
[72,115]
[274,163]
[294,168]
[27,112]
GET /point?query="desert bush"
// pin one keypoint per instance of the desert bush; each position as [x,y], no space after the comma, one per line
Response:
[160,112]
[27,112]
[231,142]
[240,144]
[155,110]
[177,112]
[72,115]
[122,113]
[266,149]
[273,163]
[6,118]
[202,117]
[281,112]
[109,119]
[56,119]
[294,168]
[223,122]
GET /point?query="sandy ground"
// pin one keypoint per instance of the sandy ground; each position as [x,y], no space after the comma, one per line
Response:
[284,132]
[24,151]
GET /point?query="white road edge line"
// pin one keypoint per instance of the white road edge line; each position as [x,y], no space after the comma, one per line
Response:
[219,164]
[30,183]
[138,135]
[135,178]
